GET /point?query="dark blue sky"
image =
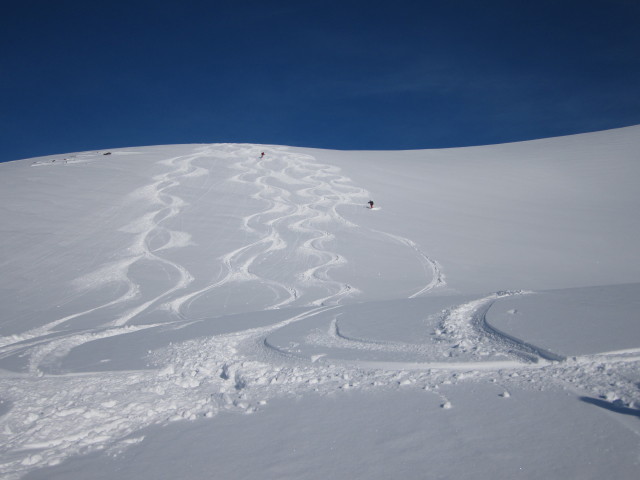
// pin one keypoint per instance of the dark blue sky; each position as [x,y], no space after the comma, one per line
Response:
[83,75]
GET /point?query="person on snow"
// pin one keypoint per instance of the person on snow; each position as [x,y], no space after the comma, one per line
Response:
[262,155]
[371,204]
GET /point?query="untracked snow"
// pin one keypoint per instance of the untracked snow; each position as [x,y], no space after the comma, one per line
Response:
[203,311]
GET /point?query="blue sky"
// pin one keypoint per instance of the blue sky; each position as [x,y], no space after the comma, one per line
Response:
[84,75]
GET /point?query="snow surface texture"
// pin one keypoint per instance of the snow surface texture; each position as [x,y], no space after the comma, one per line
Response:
[480,322]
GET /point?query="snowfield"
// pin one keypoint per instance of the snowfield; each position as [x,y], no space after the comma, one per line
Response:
[200,311]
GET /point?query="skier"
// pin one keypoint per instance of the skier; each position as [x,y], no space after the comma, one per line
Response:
[262,155]
[371,204]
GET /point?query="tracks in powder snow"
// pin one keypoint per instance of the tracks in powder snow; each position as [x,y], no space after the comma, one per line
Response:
[300,208]
[461,334]
[300,199]
[149,238]
[55,416]
[297,212]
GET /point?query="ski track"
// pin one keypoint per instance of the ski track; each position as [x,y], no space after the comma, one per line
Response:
[438,277]
[53,417]
[145,229]
[304,210]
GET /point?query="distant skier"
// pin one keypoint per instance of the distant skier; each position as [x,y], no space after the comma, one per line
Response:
[262,155]
[371,204]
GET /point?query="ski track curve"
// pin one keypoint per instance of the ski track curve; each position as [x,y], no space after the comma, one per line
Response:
[145,229]
[53,417]
[311,200]
[63,415]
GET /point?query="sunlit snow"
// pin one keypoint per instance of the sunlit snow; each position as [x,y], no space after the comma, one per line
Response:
[203,311]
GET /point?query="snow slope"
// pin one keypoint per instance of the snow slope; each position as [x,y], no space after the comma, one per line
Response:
[191,311]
